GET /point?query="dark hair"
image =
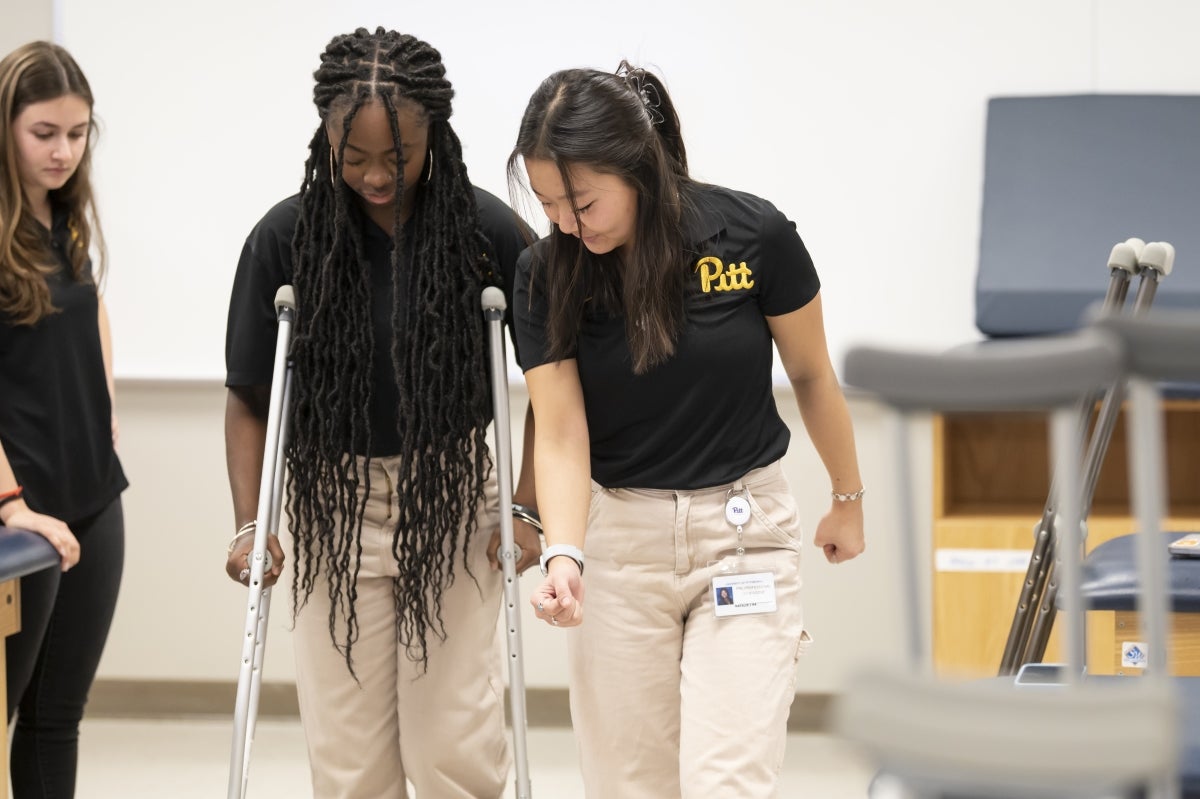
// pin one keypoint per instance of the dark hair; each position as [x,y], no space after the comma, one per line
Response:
[34,73]
[623,124]
[437,359]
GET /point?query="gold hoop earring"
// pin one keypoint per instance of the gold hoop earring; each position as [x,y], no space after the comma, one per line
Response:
[428,176]
[332,168]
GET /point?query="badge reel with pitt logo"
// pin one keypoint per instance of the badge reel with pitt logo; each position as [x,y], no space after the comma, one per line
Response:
[737,592]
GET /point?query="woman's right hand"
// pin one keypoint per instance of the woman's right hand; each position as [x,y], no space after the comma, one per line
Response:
[53,530]
[237,565]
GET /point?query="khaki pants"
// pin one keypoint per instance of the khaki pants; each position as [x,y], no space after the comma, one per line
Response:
[667,699]
[444,728]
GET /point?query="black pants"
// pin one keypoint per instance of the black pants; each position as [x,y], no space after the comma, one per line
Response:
[52,661]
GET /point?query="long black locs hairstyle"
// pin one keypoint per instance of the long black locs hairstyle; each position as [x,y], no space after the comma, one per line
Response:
[438,360]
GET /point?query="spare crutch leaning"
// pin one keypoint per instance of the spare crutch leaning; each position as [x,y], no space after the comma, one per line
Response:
[1154,262]
[494,305]
[1035,611]
[258,603]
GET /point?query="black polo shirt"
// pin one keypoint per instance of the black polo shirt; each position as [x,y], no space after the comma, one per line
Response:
[707,415]
[55,411]
[266,264]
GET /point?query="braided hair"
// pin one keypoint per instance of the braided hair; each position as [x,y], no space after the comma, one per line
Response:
[438,363]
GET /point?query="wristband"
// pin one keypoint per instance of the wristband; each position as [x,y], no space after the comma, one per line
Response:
[527,515]
[10,496]
[249,527]
[567,550]
[851,497]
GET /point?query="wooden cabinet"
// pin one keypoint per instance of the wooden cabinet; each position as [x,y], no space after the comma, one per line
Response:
[10,624]
[990,480]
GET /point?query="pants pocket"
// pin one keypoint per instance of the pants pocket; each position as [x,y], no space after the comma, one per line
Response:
[777,514]
[803,644]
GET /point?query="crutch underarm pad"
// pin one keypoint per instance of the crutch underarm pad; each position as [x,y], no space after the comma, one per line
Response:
[1160,345]
[1005,375]
[1110,577]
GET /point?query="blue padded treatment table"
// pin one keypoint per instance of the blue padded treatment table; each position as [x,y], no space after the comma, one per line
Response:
[1066,178]
[23,552]
[1110,577]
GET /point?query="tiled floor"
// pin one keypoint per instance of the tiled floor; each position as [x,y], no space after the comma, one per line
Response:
[136,759]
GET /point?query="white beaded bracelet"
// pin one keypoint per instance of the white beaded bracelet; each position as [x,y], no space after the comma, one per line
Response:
[848,497]
[249,527]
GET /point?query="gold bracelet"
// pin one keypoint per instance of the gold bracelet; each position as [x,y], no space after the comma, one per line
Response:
[249,527]
[848,497]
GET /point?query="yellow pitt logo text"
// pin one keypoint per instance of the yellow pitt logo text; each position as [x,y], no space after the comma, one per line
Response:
[716,276]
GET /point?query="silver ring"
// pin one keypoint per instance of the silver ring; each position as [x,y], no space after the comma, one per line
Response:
[244,574]
[540,608]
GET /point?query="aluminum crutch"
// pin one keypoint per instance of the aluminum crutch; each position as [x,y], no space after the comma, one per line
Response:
[1122,265]
[494,305]
[258,603]
[1154,263]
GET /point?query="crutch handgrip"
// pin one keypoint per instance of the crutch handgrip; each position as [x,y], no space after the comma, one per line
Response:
[1159,256]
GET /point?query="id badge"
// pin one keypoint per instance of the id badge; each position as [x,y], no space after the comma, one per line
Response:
[743,594]
[734,592]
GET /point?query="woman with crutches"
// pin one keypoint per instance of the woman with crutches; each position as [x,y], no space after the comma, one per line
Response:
[390,490]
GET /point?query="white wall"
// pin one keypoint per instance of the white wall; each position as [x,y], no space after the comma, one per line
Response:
[24,21]
[862,120]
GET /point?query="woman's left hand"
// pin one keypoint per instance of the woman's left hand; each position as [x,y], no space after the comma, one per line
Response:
[840,532]
[559,599]
[526,537]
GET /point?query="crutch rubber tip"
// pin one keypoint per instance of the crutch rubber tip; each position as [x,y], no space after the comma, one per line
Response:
[1124,256]
[493,299]
[1159,256]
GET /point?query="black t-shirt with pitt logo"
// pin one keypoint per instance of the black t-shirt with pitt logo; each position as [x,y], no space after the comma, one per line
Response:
[707,415]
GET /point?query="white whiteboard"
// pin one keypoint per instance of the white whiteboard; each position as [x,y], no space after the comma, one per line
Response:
[862,120]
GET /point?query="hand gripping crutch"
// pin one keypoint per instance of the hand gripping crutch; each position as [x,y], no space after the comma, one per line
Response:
[493,312]
[258,603]
[1036,607]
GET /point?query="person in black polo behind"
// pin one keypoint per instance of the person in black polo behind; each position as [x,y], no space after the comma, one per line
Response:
[645,323]
[60,476]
